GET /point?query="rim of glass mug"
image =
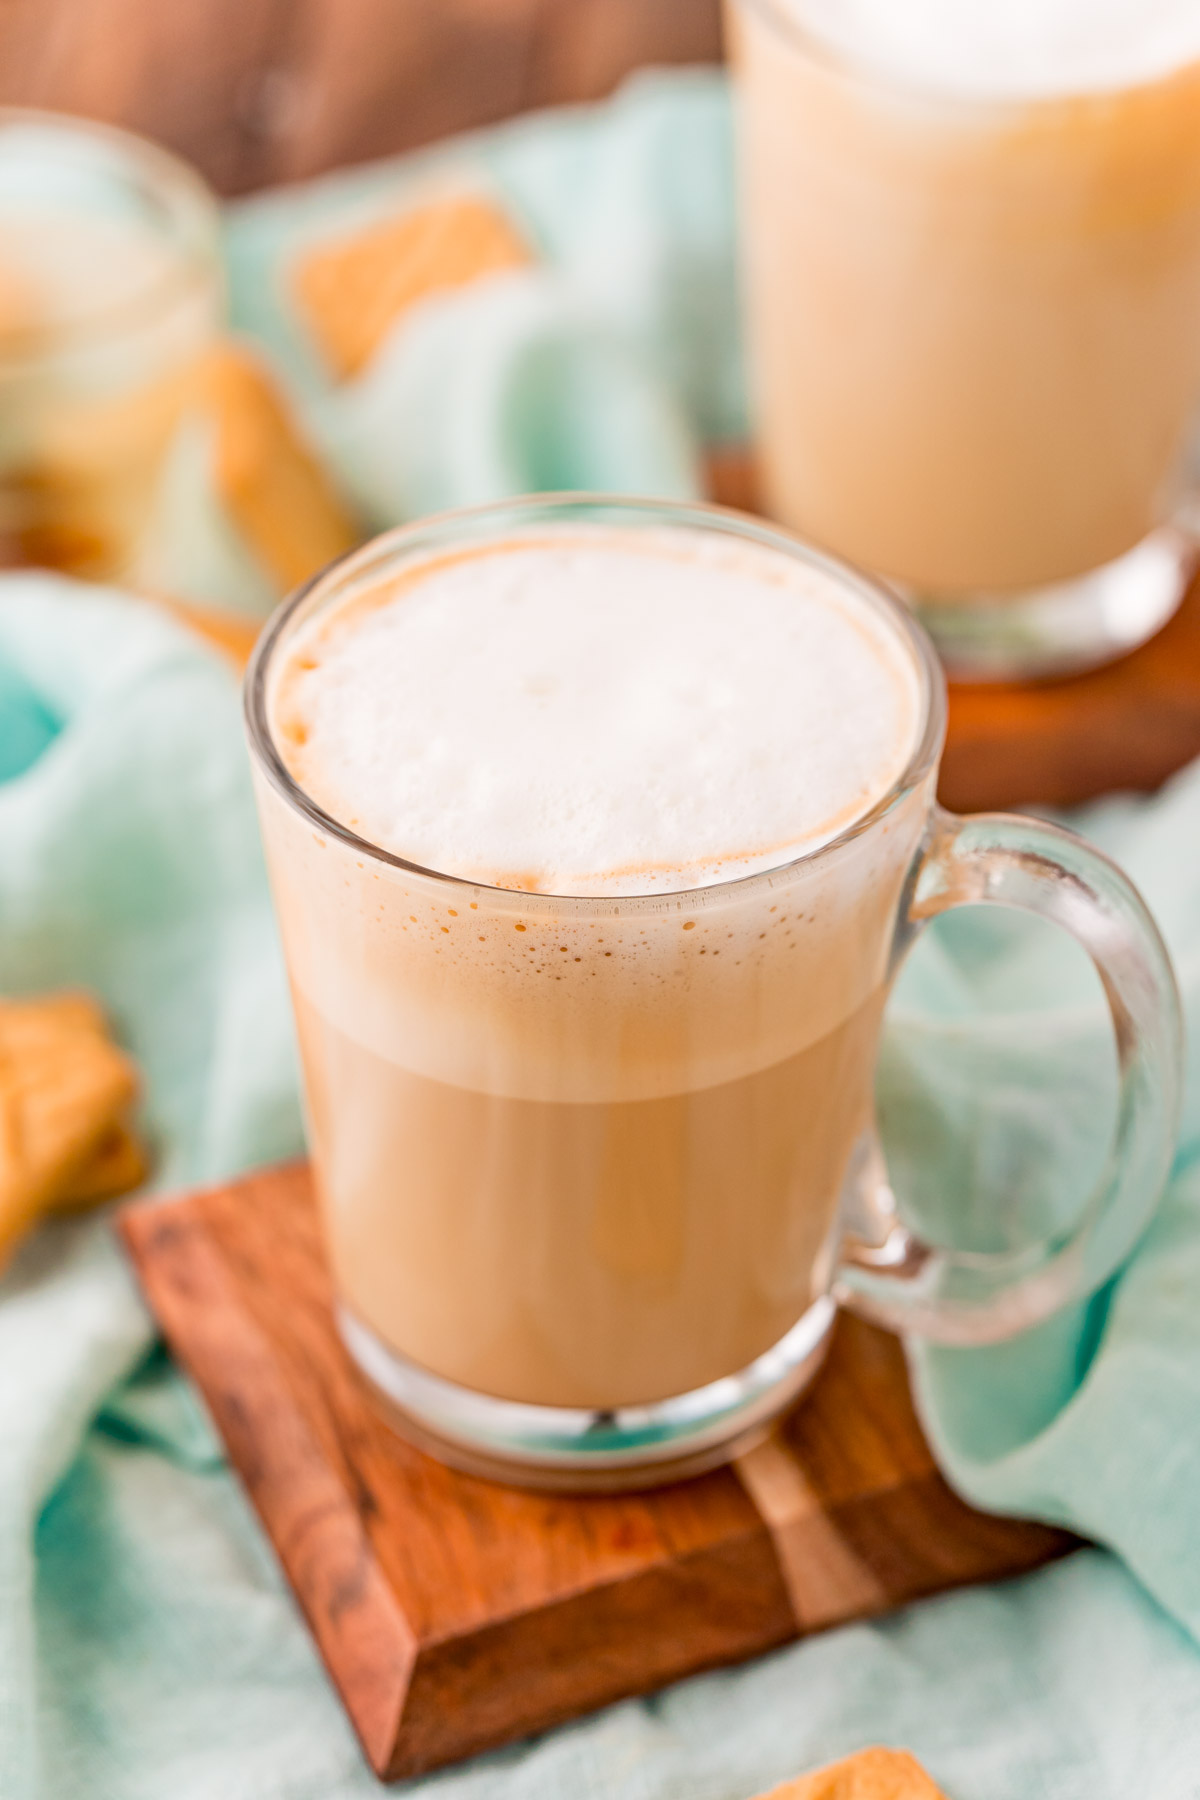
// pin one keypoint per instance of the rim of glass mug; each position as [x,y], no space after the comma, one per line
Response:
[877,76]
[379,558]
[175,197]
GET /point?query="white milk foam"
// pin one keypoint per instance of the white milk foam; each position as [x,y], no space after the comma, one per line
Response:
[1010,48]
[600,712]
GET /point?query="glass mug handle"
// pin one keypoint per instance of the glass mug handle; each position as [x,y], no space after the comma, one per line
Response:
[978,1297]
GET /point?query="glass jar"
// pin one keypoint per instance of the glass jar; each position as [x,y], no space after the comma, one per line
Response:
[111,291]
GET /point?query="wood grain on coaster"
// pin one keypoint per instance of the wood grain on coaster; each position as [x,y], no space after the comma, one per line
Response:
[454,1614]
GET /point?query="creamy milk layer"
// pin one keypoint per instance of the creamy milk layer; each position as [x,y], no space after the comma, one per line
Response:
[600,713]
[1010,47]
[58,269]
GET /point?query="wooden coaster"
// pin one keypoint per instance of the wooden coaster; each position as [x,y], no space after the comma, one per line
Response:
[454,1614]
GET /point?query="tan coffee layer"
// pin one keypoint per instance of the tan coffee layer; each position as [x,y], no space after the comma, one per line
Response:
[584,1156]
[584,1255]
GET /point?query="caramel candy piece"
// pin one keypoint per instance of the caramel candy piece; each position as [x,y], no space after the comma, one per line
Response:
[276,492]
[352,291]
[64,1089]
[868,1775]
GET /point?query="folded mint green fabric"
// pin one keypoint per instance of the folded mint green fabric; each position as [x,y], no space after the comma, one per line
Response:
[147,1644]
[607,364]
[997,1088]
[613,358]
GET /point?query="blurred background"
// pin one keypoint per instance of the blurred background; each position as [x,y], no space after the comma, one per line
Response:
[256,92]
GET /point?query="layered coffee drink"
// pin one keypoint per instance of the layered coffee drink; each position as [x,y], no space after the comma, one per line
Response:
[597,828]
[589,977]
[972,243]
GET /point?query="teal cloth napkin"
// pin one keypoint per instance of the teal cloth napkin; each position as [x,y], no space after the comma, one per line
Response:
[607,364]
[147,1644]
[612,359]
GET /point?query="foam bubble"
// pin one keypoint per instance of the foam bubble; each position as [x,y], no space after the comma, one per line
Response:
[1017,48]
[604,712]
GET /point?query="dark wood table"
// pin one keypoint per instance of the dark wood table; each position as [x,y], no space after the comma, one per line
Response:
[263,91]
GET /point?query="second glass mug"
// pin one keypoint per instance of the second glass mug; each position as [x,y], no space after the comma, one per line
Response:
[111,294]
[974,336]
[552,1265]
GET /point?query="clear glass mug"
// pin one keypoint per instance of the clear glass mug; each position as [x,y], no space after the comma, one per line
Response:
[111,290]
[974,337]
[591,1230]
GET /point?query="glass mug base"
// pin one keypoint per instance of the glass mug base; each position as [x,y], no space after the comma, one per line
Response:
[576,1450]
[1065,627]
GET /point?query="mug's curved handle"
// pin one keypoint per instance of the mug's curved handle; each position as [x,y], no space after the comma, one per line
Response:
[965,1297]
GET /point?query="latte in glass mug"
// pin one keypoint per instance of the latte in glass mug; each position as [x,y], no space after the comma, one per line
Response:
[604,1153]
[971,238]
[591,829]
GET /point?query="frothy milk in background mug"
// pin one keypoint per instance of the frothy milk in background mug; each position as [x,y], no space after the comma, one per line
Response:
[596,831]
[971,241]
[111,290]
